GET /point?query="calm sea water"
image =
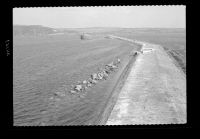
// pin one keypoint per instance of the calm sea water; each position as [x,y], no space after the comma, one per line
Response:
[38,73]
[28,105]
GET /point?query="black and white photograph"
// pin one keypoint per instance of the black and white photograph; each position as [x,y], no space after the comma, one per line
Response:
[101,65]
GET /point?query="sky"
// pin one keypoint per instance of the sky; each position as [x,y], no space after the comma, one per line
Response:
[115,16]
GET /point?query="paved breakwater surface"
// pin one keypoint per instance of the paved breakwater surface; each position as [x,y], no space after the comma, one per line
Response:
[154,92]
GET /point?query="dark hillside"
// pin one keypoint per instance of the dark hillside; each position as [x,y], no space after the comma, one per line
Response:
[23,30]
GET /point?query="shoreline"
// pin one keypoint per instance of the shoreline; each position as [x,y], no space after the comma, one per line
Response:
[115,92]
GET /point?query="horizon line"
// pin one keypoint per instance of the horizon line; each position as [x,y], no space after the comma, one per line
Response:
[96,27]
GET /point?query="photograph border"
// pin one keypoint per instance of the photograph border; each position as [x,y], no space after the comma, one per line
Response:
[8,63]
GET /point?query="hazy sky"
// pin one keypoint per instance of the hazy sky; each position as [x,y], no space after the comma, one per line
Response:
[116,16]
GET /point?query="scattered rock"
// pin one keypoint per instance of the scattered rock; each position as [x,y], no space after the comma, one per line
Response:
[107,67]
[89,84]
[72,92]
[83,88]
[105,75]
[90,79]
[111,66]
[84,82]
[94,76]
[114,66]
[102,73]
[108,71]
[94,81]
[118,60]
[100,76]
[78,87]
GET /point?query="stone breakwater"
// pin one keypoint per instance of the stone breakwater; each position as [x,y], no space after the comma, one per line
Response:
[80,88]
